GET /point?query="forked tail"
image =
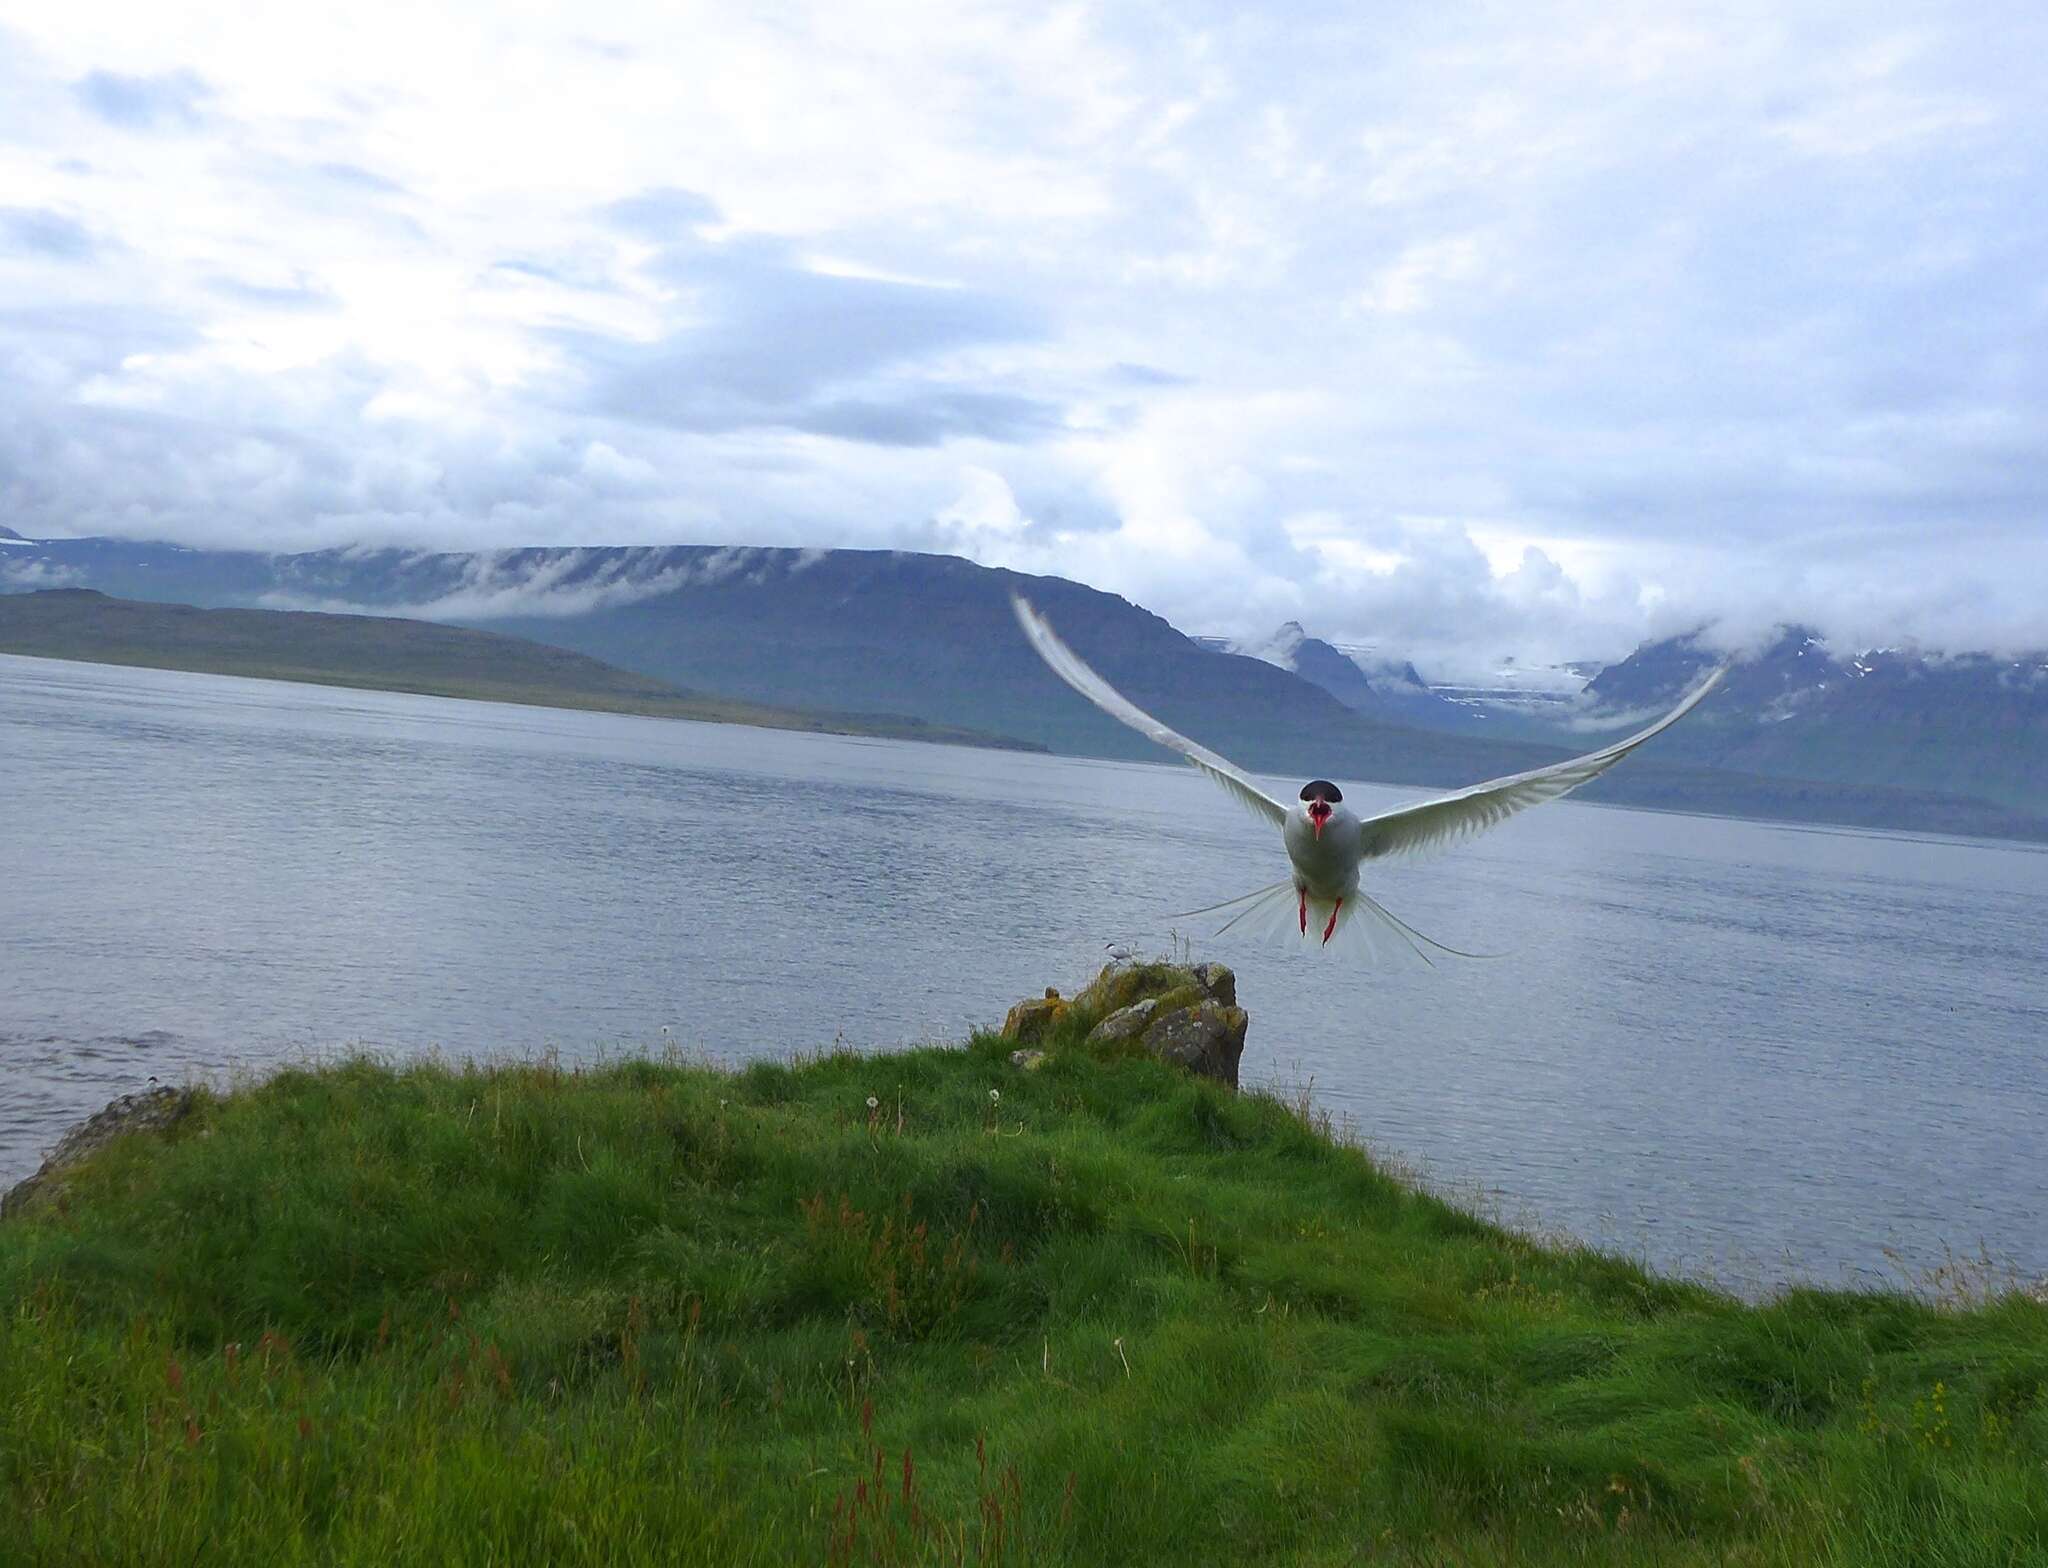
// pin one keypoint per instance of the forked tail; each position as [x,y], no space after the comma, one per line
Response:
[1360,925]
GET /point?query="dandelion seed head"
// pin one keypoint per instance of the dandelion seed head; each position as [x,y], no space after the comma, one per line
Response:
[873,1102]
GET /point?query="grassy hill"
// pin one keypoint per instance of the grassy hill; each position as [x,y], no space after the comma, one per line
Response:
[387,653]
[931,1308]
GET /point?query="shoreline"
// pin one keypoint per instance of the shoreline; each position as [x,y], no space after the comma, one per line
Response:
[2030,835]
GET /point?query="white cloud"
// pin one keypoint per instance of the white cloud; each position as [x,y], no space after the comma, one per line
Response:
[1421,273]
[985,511]
[613,469]
[1525,328]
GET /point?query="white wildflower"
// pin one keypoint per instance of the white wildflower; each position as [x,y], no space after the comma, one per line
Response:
[995,1096]
[873,1102]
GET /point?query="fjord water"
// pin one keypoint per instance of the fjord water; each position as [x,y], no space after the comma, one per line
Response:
[1751,1051]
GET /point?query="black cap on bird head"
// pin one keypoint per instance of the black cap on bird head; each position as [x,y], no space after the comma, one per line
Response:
[1321,795]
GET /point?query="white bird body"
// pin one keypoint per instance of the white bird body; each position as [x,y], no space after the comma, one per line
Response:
[1326,862]
[1326,842]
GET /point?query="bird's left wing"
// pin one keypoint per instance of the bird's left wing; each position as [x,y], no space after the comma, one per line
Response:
[1437,824]
[1068,666]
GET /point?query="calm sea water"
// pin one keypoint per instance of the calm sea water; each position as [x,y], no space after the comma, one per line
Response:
[1752,1051]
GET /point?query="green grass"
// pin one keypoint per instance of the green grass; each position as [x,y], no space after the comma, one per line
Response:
[658,1313]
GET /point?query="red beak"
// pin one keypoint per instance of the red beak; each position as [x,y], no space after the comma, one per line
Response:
[1318,814]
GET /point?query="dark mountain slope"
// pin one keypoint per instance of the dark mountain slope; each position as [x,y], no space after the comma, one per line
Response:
[930,638]
[386,654]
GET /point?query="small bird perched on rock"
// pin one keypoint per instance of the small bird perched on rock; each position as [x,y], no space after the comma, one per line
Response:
[1326,842]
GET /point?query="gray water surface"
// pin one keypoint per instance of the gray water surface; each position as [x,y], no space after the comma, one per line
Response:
[1755,1051]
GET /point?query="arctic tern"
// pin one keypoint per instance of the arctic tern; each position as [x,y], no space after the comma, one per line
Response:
[1326,842]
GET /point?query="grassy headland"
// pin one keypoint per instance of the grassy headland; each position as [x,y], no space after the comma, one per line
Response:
[930,1308]
[389,653]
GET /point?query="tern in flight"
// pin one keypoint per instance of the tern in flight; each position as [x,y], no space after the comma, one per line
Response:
[1326,842]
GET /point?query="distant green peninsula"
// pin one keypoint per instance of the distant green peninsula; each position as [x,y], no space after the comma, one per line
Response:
[389,653]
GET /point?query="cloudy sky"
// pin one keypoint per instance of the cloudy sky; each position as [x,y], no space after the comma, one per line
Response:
[1533,327]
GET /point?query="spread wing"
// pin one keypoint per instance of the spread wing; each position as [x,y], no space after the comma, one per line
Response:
[1450,819]
[1067,665]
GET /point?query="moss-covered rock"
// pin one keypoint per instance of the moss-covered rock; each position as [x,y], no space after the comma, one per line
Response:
[1119,985]
[1131,1002]
[1207,1038]
[1126,1023]
[1189,995]
[1035,1018]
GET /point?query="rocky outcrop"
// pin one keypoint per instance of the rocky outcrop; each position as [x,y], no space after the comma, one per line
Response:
[1184,1014]
[1034,1018]
[1207,1038]
[1119,985]
[1125,1023]
[152,1110]
[1217,982]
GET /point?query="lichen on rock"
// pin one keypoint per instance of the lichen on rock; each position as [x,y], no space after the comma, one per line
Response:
[1125,1023]
[1034,1018]
[1207,1039]
[1217,981]
[1119,985]
[1186,1014]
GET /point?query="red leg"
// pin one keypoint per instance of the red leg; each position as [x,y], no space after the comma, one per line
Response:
[1332,926]
[1302,893]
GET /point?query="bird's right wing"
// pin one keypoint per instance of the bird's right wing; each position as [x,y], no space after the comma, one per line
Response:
[1437,824]
[1068,666]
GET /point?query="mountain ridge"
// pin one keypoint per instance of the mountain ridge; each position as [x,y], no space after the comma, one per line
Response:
[1391,690]
[1937,722]
[931,638]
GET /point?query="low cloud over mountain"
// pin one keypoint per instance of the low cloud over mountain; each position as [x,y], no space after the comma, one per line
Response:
[1540,330]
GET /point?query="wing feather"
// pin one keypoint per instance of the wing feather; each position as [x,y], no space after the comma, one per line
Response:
[1433,825]
[1069,667]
